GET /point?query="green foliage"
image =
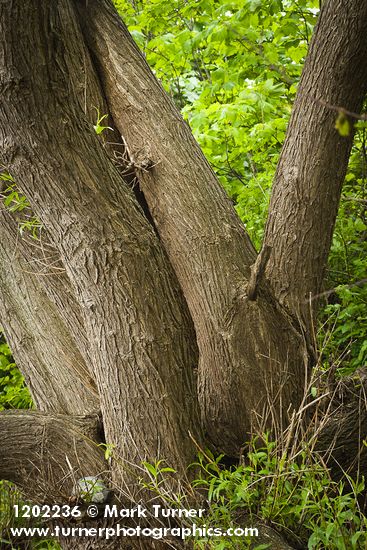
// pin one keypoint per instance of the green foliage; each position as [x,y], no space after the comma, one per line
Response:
[99,127]
[295,495]
[13,392]
[15,201]
[232,67]
[342,124]
[344,319]
[108,449]
[9,496]
[155,478]
[285,487]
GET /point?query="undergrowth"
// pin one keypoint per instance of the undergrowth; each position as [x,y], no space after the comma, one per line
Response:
[294,495]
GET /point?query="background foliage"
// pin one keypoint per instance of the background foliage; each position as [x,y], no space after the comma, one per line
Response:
[13,391]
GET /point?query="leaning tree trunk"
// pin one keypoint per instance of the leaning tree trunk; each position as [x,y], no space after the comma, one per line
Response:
[141,337]
[164,281]
[242,366]
[311,170]
[44,350]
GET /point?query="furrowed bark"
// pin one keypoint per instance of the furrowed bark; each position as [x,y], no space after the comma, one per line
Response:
[140,333]
[45,454]
[313,162]
[249,349]
[42,259]
[44,350]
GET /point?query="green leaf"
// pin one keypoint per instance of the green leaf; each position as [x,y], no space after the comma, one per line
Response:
[342,125]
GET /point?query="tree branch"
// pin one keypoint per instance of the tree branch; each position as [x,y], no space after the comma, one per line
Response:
[205,240]
[311,170]
[43,348]
[45,454]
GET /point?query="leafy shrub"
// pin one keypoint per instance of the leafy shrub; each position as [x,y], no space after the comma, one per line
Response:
[294,494]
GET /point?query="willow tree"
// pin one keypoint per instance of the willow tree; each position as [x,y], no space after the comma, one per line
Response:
[156,325]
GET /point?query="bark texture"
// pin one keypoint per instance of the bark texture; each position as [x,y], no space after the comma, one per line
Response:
[45,454]
[44,349]
[241,358]
[342,438]
[307,187]
[140,333]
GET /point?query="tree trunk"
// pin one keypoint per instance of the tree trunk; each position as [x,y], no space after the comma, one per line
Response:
[44,350]
[241,359]
[141,337]
[311,170]
[45,454]
[342,438]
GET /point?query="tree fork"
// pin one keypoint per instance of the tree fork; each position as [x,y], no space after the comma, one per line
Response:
[241,353]
[141,336]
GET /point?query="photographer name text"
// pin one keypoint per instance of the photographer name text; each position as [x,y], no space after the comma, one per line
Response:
[157,511]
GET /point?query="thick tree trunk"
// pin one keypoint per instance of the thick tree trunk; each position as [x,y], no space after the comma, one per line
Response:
[140,333]
[307,187]
[243,361]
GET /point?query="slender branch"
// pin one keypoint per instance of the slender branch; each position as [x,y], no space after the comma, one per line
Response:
[343,110]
